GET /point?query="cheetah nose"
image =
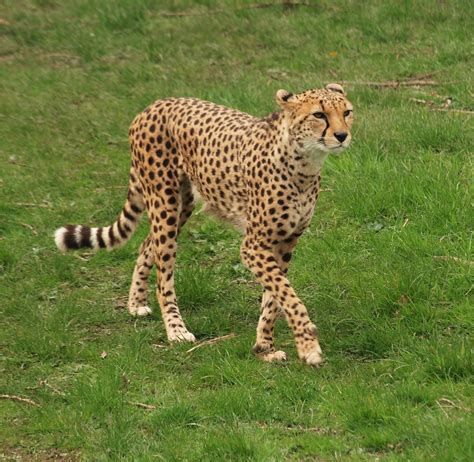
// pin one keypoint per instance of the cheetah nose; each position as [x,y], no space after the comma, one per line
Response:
[340,136]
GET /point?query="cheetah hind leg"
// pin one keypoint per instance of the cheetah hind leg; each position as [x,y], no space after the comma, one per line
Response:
[138,295]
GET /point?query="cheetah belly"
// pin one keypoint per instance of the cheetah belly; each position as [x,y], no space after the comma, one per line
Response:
[231,209]
[213,167]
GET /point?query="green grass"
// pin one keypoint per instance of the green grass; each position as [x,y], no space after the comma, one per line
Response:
[395,321]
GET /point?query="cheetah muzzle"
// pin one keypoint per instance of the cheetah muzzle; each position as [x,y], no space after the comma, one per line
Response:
[261,174]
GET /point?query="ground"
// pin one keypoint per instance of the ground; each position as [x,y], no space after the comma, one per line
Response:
[385,269]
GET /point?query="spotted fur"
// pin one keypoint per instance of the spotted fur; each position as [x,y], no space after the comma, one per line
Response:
[262,174]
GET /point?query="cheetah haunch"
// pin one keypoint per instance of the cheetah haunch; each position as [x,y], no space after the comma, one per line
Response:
[261,174]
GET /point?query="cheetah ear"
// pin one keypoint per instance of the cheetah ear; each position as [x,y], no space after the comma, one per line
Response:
[335,87]
[284,98]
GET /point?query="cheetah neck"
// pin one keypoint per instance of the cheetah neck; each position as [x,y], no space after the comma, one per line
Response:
[303,161]
[312,156]
[305,166]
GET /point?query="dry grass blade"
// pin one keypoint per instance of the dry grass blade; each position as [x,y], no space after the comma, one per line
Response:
[105,188]
[86,256]
[456,259]
[44,383]
[253,6]
[211,341]
[20,399]
[445,402]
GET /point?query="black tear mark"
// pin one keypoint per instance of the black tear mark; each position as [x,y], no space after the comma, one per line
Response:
[321,140]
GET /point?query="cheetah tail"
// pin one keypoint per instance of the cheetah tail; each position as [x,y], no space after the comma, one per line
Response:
[108,237]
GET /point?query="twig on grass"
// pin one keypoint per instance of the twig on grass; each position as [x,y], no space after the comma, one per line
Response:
[302,428]
[148,407]
[426,75]
[456,259]
[445,108]
[211,341]
[32,204]
[460,111]
[393,83]
[25,225]
[253,6]
[33,230]
[421,101]
[20,399]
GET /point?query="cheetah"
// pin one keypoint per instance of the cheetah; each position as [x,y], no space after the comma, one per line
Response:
[261,174]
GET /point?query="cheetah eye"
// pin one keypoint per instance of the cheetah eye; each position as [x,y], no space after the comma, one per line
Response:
[347,113]
[319,115]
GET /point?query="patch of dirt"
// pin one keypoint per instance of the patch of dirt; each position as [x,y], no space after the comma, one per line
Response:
[25,455]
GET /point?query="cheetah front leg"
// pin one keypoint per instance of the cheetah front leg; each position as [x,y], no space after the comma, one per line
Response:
[262,261]
[264,346]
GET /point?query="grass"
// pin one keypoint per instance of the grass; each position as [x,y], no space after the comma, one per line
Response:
[395,320]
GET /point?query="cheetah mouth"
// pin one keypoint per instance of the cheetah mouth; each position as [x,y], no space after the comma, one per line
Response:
[320,147]
[337,150]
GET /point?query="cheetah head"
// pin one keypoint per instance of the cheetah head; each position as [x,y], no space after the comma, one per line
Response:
[318,121]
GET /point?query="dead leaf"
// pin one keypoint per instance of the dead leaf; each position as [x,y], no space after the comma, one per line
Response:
[404,300]
[14,160]
[447,102]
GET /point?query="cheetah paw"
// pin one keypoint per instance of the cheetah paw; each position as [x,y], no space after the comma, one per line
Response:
[181,335]
[314,358]
[274,356]
[140,311]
